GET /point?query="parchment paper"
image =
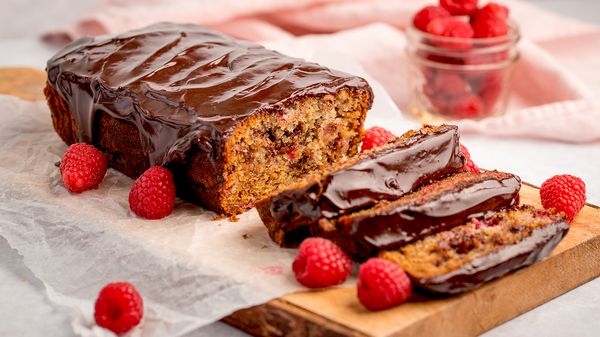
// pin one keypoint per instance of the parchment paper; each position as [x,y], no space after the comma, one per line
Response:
[191,270]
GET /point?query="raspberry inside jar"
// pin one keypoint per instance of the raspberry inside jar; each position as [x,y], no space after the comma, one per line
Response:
[470,82]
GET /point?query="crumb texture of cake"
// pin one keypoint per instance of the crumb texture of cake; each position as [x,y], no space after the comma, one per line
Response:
[436,207]
[384,173]
[485,248]
[232,119]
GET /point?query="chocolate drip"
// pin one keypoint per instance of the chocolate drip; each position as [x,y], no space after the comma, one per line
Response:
[383,175]
[183,84]
[403,222]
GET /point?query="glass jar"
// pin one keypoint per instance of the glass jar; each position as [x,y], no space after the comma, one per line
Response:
[457,78]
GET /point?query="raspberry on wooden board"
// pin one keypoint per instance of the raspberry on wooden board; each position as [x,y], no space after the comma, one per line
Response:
[382,284]
[563,193]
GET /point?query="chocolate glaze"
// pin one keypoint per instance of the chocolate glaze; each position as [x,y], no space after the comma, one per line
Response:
[439,207]
[485,268]
[382,175]
[182,85]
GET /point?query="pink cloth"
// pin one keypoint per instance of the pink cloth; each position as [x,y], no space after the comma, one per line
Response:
[556,92]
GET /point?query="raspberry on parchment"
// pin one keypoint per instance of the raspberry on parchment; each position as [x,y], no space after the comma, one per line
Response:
[83,167]
[152,195]
[382,284]
[119,307]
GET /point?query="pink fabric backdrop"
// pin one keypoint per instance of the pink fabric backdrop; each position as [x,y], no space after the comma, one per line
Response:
[557,86]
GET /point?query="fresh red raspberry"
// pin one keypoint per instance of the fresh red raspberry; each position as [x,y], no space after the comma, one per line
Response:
[491,27]
[428,13]
[320,263]
[82,167]
[490,21]
[564,193]
[450,84]
[451,27]
[491,10]
[119,307]
[376,136]
[459,7]
[466,106]
[382,284]
[152,195]
[470,166]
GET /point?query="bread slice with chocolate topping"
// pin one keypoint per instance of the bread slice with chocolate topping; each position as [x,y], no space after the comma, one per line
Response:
[384,173]
[436,207]
[484,248]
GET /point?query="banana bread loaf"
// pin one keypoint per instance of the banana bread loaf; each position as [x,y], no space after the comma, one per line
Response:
[485,248]
[436,207]
[233,120]
[384,173]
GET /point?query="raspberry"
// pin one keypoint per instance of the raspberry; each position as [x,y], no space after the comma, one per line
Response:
[489,28]
[466,106]
[451,27]
[459,7]
[490,21]
[450,83]
[376,136]
[320,263]
[382,284]
[119,307]
[470,166]
[428,13]
[491,10]
[82,167]
[152,195]
[564,193]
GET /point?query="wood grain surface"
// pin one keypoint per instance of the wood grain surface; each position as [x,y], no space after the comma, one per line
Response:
[25,83]
[336,312]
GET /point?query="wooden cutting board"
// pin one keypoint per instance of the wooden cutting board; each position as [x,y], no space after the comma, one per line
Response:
[337,312]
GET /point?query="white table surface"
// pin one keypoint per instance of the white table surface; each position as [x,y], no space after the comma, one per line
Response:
[26,311]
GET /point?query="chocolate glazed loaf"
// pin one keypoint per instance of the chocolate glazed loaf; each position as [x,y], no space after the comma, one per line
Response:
[386,173]
[233,120]
[485,248]
[436,207]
